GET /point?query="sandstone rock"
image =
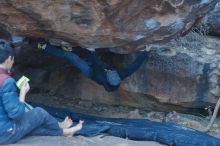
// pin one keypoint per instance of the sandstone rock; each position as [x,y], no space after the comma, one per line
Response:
[209,52]
[103,23]
[212,20]
[183,79]
[156,116]
[219,66]
[174,117]
[215,91]
[190,121]
[215,72]
[214,79]
[134,114]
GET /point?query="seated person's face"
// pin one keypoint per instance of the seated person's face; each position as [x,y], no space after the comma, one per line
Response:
[9,62]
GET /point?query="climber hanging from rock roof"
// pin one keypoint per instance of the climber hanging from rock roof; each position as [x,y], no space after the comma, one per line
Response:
[94,68]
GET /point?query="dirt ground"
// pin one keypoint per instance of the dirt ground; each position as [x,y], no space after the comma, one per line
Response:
[103,110]
[81,141]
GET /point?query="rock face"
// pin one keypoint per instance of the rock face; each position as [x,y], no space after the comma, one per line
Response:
[103,23]
[181,75]
[181,78]
[212,20]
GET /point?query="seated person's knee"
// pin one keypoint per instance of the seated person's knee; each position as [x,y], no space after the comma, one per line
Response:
[40,110]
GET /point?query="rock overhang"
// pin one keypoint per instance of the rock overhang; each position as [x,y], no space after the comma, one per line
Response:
[123,26]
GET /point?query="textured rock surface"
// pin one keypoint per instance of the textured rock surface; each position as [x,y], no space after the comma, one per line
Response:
[212,20]
[81,141]
[103,23]
[180,74]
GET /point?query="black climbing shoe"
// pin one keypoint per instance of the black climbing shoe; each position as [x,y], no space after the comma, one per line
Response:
[41,46]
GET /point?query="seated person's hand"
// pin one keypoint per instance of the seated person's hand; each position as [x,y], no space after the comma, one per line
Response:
[24,89]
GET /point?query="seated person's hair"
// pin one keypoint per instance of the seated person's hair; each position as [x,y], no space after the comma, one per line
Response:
[6,50]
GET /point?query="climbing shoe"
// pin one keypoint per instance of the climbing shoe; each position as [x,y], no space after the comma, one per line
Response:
[41,46]
[147,48]
[66,48]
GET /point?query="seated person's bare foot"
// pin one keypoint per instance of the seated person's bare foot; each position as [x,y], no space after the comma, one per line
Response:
[71,131]
[67,122]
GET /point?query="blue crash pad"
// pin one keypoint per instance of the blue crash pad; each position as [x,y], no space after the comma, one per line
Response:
[137,129]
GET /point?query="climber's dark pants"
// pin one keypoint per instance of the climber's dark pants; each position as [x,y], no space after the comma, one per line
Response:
[70,56]
[34,122]
[85,67]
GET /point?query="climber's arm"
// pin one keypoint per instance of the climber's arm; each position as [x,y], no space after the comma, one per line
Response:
[131,68]
[95,59]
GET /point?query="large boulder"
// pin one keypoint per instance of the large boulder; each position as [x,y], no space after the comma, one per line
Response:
[103,23]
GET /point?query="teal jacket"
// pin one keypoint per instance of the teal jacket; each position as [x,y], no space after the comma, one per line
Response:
[11,109]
